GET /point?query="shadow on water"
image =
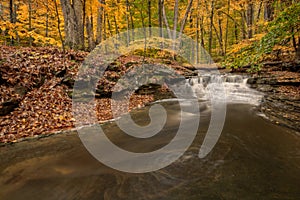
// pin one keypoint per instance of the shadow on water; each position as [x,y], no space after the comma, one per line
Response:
[253,159]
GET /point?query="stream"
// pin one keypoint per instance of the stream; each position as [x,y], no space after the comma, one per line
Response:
[253,158]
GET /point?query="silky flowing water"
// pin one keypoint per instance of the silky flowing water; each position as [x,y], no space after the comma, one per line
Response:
[253,159]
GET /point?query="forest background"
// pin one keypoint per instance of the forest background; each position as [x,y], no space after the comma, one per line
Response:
[235,32]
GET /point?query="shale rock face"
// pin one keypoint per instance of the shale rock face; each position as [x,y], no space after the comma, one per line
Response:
[281,103]
[283,110]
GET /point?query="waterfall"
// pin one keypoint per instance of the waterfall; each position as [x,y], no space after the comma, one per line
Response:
[234,87]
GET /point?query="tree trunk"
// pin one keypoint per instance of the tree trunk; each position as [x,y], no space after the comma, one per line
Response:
[160,16]
[197,33]
[12,18]
[166,20]
[90,33]
[104,27]
[73,20]
[250,11]
[227,25]
[236,35]
[211,18]
[187,12]
[116,25]
[202,31]
[298,52]
[127,23]
[243,24]
[149,18]
[99,35]
[109,25]
[131,21]
[296,46]
[268,10]
[83,21]
[11,11]
[175,20]
[257,28]
[58,26]
[221,37]
[47,19]
[30,21]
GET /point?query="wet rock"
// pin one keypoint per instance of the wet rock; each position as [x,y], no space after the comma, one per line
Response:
[282,108]
[265,88]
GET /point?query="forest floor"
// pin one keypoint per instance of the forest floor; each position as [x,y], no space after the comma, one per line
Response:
[36,90]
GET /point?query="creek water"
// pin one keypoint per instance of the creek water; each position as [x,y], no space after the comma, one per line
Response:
[253,158]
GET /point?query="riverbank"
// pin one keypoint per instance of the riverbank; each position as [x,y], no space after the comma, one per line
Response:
[36,90]
[280,82]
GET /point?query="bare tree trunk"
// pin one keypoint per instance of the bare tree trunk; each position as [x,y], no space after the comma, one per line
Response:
[73,19]
[90,33]
[149,18]
[268,10]
[250,11]
[187,12]
[236,36]
[90,29]
[166,20]
[227,25]
[99,35]
[15,20]
[131,22]
[197,33]
[116,25]
[211,18]
[243,24]
[219,40]
[160,17]
[202,31]
[109,25]
[83,21]
[30,21]
[259,11]
[221,37]
[257,28]
[104,27]
[58,26]
[11,11]
[47,19]
[127,22]
[11,16]
[175,20]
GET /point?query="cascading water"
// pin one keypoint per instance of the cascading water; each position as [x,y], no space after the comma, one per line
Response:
[235,87]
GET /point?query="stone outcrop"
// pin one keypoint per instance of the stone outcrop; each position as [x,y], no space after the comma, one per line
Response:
[281,103]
